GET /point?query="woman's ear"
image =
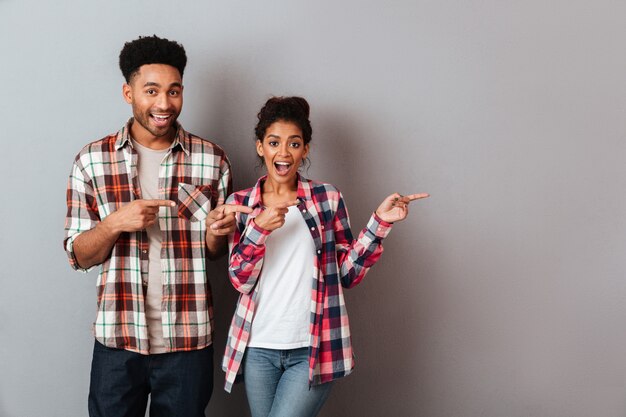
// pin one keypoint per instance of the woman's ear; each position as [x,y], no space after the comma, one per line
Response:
[259,148]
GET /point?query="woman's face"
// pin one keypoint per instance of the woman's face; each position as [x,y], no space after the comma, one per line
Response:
[283,150]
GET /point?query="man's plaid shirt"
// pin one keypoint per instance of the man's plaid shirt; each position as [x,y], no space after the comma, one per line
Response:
[195,174]
[340,261]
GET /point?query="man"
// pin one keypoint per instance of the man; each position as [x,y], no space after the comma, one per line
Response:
[146,204]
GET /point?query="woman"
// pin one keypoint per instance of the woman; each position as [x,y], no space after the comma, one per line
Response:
[290,258]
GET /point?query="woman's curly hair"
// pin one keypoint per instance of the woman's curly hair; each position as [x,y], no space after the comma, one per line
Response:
[287,109]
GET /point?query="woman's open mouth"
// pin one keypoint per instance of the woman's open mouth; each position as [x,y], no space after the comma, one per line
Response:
[282,168]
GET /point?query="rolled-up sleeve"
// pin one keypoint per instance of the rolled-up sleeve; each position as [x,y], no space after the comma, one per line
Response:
[82,211]
[356,256]
[225,182]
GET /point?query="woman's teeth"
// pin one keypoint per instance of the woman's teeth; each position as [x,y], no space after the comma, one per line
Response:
[282,167]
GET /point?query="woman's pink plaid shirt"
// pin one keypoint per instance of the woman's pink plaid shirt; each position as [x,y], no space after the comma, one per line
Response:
[341,262]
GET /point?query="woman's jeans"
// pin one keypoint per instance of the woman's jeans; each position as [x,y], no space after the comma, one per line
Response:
[277,383]
[179,384]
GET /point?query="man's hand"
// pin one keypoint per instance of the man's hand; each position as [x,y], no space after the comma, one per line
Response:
[94,246]
[136,215]
[221,220]
[274,217]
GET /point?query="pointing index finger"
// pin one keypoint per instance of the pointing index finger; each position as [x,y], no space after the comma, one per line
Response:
[160,203]
[412,197]
[287,204]
[236,208]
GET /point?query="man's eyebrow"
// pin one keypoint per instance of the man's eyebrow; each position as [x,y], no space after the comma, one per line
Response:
[153,84]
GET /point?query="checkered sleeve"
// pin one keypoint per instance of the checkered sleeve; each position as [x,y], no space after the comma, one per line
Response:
[82,211]
[356,256]
[246,257]
[225,186]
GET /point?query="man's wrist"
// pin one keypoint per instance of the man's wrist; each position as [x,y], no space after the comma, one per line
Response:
[109,225]
[215,245]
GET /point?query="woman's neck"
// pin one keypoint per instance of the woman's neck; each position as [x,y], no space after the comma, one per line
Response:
[275,193]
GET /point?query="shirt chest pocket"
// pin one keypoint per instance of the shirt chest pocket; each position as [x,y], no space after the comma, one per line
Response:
[194,201]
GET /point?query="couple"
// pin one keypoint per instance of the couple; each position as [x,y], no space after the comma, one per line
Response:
[150,205]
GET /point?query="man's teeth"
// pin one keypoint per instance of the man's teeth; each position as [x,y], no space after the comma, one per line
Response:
[158,116]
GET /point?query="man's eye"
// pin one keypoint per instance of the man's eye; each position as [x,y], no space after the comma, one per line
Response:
[174,93]
[151,91]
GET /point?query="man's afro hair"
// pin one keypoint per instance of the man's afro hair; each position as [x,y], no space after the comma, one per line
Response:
[151,50]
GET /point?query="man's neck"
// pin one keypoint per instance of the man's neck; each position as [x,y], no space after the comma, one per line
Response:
[145,138]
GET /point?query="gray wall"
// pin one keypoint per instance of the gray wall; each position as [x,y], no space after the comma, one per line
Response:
[502,295]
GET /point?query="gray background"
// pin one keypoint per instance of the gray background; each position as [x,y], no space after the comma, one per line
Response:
[501,295]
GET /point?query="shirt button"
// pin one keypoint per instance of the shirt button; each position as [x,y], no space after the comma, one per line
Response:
[319,251]
[312,228]
[304,210]
[144,251]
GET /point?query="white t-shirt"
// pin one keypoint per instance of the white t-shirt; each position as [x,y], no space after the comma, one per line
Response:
[282,316]
[148,165]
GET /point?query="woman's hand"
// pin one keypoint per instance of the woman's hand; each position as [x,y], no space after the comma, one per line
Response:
[274,217]
[396,207]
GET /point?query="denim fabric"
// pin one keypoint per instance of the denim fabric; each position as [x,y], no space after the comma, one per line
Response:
[277,383]
[179,383]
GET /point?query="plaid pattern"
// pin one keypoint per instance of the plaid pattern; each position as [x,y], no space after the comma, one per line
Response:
[340,261]
[195,174]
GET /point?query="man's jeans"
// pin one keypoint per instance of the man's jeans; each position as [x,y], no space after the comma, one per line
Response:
[179,384]
[277,383]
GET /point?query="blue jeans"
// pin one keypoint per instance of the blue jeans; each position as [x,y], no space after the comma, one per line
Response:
[277,383]
[179,383]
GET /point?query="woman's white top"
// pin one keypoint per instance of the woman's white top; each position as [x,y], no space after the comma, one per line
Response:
[282,316]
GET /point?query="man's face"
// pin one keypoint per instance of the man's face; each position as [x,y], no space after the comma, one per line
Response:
[156,94]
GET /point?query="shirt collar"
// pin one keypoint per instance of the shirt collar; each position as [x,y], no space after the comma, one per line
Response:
[181,139]
[304,190]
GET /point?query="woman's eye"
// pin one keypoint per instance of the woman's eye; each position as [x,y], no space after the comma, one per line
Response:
[295,145]
[273,143]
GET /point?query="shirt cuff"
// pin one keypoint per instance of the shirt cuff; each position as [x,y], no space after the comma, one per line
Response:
[378,227]
[256,234]
[69,248]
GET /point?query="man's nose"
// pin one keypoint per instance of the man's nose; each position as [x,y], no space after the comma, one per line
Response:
[163,101]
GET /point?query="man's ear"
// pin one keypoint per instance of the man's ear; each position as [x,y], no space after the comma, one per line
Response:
[127,93]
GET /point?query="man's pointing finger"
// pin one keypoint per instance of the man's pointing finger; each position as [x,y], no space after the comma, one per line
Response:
[160,203]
